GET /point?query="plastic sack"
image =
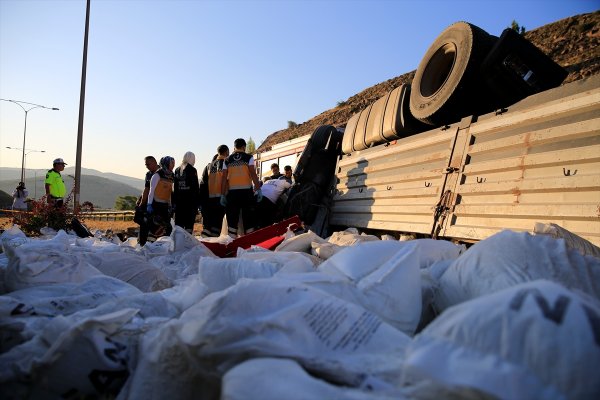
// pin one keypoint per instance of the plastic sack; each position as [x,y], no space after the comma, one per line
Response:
[13,237]
[69,357]
[30,265]
[572,241]
[64,298]
[220,273]
[509,258]
[288,380]
[180,265]
[288,261]
[327,336]
[130,268]
[534,340]
[350,237]
[300,243]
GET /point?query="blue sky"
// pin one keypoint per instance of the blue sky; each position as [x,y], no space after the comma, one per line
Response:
[169,76]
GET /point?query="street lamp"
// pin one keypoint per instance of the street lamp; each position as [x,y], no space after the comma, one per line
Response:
[27,151]
[27,108]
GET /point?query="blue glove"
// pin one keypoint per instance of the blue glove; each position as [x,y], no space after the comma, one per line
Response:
[258,195]
[149,209]
[223,200]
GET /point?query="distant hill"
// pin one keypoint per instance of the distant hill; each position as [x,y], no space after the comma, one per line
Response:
[15,174]
[101,191]
[573,43]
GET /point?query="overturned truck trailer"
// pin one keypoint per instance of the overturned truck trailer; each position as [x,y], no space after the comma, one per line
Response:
[537,160]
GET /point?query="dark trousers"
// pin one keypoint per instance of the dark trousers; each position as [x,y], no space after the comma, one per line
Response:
[241,199]
[267,212]
[159,223]
[185,216]
[212,216]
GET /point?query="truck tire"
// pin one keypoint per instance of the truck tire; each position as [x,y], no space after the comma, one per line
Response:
[515,68]
[446,84]
[348,141]
[320,155]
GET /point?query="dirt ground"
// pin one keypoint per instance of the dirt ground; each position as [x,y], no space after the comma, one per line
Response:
[115,226]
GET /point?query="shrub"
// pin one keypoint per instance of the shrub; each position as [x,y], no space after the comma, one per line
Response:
[517,28]
[292,124]
[42,214]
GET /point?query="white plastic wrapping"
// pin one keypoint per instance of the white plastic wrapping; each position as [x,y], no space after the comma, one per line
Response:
[509,258]
[533,340]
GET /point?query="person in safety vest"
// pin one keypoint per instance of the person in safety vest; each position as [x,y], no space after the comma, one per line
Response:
[54,183]
[142,202]
[210,184]
[159,197]
[239,173]
[186,196]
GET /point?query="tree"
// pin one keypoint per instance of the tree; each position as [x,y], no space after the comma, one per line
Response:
[517,28]
[292,124]
[250,146]
[125,203]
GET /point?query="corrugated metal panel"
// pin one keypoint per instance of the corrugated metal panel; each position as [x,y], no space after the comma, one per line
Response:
[396,186]
[534,163]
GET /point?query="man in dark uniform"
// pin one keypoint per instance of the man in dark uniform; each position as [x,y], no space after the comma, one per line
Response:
[140,205]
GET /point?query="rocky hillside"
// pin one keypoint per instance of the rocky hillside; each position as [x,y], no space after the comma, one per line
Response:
[572,42]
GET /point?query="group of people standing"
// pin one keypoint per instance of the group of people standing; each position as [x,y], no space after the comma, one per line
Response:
[229,185]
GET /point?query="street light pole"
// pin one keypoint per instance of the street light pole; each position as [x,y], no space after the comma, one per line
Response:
[26,109]
[24,165]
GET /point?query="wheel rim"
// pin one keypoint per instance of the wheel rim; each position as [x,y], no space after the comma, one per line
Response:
[438,70]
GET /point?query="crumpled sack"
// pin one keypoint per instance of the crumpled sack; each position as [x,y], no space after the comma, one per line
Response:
[32,265]
[326,335]
[509,258]
[130,268]
[70,357]
[288,380]
[533,340]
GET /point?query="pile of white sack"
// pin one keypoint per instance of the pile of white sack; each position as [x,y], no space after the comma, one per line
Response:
[516,316]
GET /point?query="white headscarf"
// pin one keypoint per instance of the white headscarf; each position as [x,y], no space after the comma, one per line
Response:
[188,158]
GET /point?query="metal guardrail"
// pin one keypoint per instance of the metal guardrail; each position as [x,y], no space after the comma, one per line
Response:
[126,215]
[108,215]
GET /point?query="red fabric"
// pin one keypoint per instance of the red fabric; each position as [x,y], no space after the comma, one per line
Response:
[270,244]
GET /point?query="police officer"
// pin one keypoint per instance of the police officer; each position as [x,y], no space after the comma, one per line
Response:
[54,183]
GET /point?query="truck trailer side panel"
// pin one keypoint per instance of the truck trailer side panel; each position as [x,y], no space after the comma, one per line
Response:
[536,161]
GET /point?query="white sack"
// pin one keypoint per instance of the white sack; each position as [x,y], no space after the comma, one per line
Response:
[64,298]
[267,318]
[286,261]
[178,266]
[300,243]
[534,340]
[277,379]
[185,294]
[338,241]
[350,237]
[509,258]
[130,268]
[572,241]
[78,358]
[388,284]
[30,265]
[221,273]
[13,237]
[161,246]
[183,240]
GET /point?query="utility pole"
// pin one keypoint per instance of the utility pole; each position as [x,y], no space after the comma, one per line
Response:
[81,109]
